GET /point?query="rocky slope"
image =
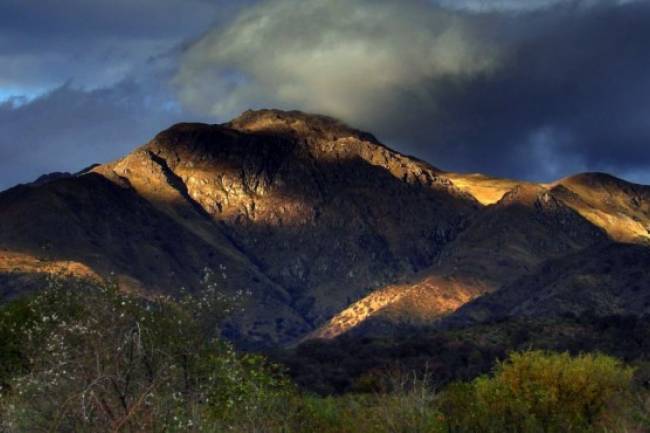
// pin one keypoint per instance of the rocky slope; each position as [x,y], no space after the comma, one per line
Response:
[305,212]
[329,230]
[610,280]
[513,237]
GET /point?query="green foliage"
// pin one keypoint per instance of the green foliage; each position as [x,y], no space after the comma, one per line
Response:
[246,391]
[15,319]
[355,364]
[406,411]
[349,364]
[85,358]
[541,392]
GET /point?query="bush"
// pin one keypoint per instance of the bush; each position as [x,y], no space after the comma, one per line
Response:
[89,358]
[15,319]
[79,357]
[541,392]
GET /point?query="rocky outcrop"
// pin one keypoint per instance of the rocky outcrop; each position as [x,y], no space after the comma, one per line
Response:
[301,209]
[503,242]
[328,229]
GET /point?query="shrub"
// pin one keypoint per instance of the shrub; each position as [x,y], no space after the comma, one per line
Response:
[15,319]
[89,358]
[409,406]
[81,357]
[541,392]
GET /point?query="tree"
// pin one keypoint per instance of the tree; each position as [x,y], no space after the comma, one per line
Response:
[92,358]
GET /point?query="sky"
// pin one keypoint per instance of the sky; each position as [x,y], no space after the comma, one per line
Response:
[528,89]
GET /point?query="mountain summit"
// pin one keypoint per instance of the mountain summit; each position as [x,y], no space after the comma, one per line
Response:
[330,230]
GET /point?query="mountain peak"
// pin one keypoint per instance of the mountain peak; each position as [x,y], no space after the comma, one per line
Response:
[276,133]
[273,121]
[313,216]
[620,207]
[593,179]
[265,141]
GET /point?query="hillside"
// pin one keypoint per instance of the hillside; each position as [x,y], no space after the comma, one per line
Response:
[328,229]
[611,280]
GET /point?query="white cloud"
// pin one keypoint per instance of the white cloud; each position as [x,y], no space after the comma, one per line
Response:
[344,58]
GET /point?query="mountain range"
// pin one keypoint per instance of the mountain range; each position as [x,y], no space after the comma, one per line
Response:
[330,232]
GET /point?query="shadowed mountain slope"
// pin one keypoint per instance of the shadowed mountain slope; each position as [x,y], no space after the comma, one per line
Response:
[525,228]
[610,280]
[330,230]
[300,209]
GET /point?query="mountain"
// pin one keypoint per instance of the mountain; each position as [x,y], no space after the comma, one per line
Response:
[329,230]
[610,280]
[513,237]
[303,211]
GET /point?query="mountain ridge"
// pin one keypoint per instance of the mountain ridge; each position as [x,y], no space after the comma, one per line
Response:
[326,226]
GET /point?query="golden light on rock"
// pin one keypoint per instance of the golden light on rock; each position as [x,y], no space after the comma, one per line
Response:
[329,228]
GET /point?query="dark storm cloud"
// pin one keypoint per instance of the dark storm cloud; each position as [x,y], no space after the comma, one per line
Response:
[534,94]
[94,43]
[98,71]
[51,21]
[572,93]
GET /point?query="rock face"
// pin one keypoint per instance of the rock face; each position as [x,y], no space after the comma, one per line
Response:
[619,207]
[513,237]
[305,212]
[329,230]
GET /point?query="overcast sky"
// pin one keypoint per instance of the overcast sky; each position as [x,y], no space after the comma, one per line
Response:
[533,89]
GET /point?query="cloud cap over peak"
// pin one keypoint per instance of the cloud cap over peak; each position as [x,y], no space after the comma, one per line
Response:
[328,55]
[535,89]
[537,94]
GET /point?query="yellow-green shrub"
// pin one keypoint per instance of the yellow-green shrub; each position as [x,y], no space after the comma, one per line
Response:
[540,392]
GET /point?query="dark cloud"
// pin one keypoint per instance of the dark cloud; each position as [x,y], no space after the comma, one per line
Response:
[533,94]
[95,43]
[50,22]
[86,81]
[572,93]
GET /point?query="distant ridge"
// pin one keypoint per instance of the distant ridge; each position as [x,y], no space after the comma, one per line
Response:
[331,231]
